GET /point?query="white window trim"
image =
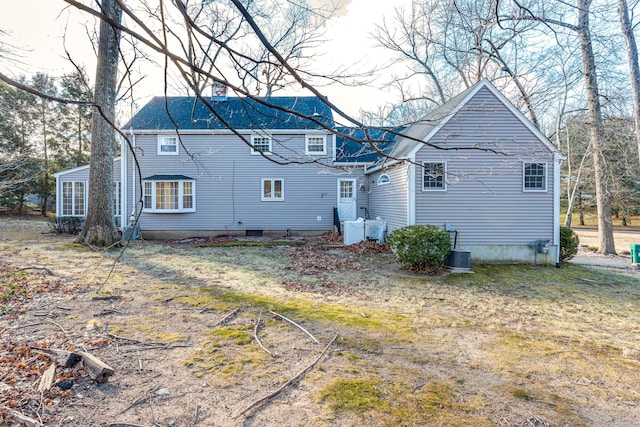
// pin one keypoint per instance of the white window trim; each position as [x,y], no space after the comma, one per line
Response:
[271,199]
[117,198]
[161,139]
[444,176]
[546,178]
[180,209]
[255,152]
[382,181]
[73,198]
[315,153]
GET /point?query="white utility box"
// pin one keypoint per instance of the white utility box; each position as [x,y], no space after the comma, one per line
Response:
[353,231]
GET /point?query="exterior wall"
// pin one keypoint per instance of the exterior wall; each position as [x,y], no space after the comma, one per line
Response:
[484,199]
[229,184]
[80,174]
[389,201]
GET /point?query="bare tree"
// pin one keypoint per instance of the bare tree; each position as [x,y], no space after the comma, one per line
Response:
[447,45]
[99,228]
[634,68]
[540,13]
[603,190]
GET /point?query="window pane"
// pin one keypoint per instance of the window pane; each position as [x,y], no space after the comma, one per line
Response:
[147,194]
[78,198]
[315,145]
[535,176]
[173,195]
[167,195]
[433,176]
[277,189]
[384,179]
[67,198]
[346,189]
[116,197]
[169,145]
[261,143]
[266,189]
[187,195]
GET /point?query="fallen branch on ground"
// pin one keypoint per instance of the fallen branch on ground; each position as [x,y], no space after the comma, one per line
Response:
[37,268]
[287,384]
[106,298]
[227,317]
[61,357]
[255,334]
[61,328]
[295,324]
[47,378]
[22,418]
[117,424]
[98,370]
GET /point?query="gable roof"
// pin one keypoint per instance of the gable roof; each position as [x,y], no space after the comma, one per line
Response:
[354,145]
[426,127]
[190,113]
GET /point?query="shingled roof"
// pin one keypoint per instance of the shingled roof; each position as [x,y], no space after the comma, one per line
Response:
[240,113]
[354,145]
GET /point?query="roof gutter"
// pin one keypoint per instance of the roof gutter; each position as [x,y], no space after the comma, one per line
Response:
[228,131]
[383,165]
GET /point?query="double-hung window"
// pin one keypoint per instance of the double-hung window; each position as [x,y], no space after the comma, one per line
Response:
[167,145]
[272,190]
[260,144]
[73,198]
[433,176]
[169,194]
[315,145]
[534,177]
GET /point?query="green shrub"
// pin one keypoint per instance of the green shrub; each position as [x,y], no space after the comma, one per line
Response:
[569,242]
[420,248]
[66,224]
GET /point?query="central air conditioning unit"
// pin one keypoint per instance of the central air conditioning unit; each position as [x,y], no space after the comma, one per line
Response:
[458,259]
[375,229]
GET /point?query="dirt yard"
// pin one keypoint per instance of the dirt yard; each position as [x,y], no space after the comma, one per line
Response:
[308,334]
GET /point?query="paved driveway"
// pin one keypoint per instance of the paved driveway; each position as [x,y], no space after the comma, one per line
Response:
[622,261]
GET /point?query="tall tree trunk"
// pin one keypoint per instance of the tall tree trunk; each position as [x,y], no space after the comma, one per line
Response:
[580,208]
[603,195]
[44,196]
[634,67]
[99,228]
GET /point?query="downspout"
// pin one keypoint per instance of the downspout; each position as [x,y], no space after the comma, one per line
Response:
[411,192]
[133,177]
[123,183]
[58,196]
[557,163]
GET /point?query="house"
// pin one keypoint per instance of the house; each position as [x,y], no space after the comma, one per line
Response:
[475,166]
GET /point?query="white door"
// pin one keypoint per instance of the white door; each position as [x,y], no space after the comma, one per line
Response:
[347,199]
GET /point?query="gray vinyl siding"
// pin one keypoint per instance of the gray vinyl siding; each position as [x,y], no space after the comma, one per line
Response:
[80,174]
[229,184]
[484,200]
[389,201]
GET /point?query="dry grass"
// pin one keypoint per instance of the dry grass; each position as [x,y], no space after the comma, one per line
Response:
[501,346]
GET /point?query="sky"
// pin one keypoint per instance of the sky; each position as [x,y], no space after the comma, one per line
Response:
[36,29]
